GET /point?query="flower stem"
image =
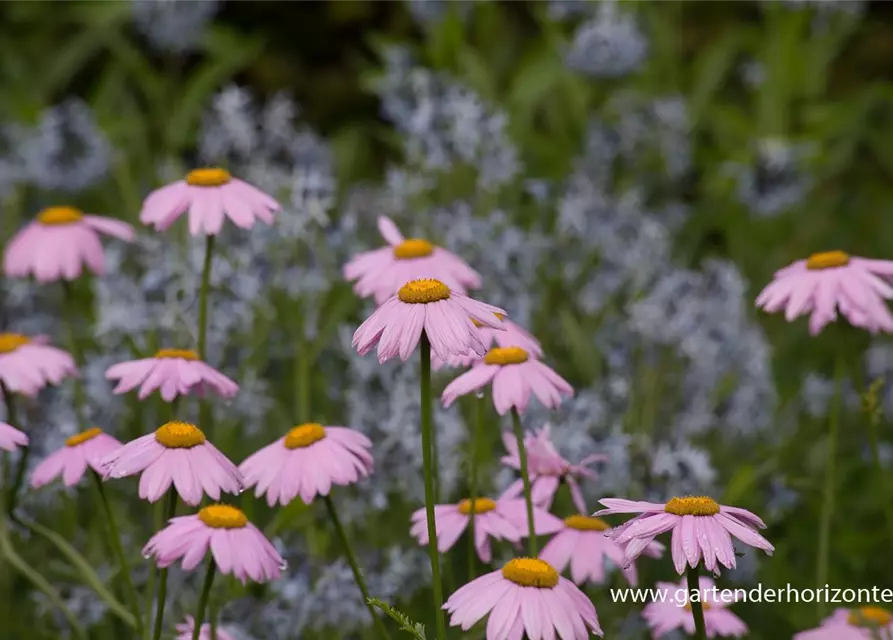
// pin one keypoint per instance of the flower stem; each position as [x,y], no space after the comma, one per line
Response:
[828,493]
[162,574]
[694,600]
[302,380]
[24,453]
[427,428]
[203,599]
[204,406]
[883,480]
[480,408]
[525,478]
[71,323]
[355,567]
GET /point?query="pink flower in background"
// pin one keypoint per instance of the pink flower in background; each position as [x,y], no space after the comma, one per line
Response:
[209,195]
[28,364]
[664,616]
[11,438]
[381,273]
[174,372]
[186,629]
[237,546]
[71,461]
[176,453]
[582,543]
[527,596]
[702,528]
[306,462]
[864,623]
[831,281]
[512,336]
[59,243]
[430,306]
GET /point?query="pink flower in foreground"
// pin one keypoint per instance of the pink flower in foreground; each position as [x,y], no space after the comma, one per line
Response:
[29,364]
[512,336]
[59,243]
[11,438]
[831,281]
[702,528]
[664,616]
[515,377]
[582,543]
[174,372]
[307,461]
[237,546]
[381,273]
[186,629]
[863,623]
[430,306]
[71,461]
[210,196]
[526,596]
[176,453]
[502,519]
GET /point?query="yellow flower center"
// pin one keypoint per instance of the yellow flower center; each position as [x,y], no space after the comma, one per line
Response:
[692,506]
[304,435]
[870,617]
[82,437]
[59,215]
[499,316]
[704,605]
[530,572]
[413,248]
[179,435]
[586,523]
[505,355]
[481,505]
[185,354]
[827,260]
[423,292]
[222,516]
[213,177]
[9,342]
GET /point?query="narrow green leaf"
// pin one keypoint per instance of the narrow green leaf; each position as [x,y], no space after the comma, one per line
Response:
[710,71]
[415,629]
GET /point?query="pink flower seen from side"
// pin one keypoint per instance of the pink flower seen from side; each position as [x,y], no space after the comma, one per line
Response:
[81,451]
[28,364]
[864,623]
[173,372]
[668,614]
[187,628]
[512,336]
[11,438]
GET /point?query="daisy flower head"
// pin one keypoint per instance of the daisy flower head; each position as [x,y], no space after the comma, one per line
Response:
[431,306]
[28,364]
[210,196]
[702,529]
[306,462]
[11,438]
[668,614]
[59,243]
[186,629]
[381,273]
[173,372]
[527,596]
[86,449]
[513,335]
[237,546]
[864,623]
[828,282]
[176,453]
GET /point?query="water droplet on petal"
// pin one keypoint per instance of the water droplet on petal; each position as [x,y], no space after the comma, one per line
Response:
[147,556]
[479,394]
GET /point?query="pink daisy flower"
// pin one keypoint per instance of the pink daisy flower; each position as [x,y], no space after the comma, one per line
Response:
[59,243]
[380,273]
[29,364]
[71,461]
[664,616]
[831,281]
[209,195]
[430,306]
[515,377]
[702,529]
[582,543]
[863,623]
[502,519]
[512,336]
[11,438]
[186,629]
[174,372]
[307,461]
[237,546]
[526,596]
[176,453]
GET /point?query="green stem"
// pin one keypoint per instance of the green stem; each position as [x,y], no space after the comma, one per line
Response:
[24,453]
[212,613]
[203,599]
[204,405]
[71,322]
[828,494]
[162,574]
[881,474]
[427,449]
[480,408]
[355,567]
[158,517]
[302,380]
[694,599]
[525,478]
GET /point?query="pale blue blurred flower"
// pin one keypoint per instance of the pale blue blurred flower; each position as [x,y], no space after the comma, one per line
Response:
[173,26]
[609,45]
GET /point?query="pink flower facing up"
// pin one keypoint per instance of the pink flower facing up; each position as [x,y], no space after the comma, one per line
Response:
[430,306]
[187,628]
[502,519]
[864,623]
[29,364]
[515,377]
[831,281]
[237,546]
[702,529]
[526,596]
[582,543]
[209,195]
[381,273]
[11,438]
[174,372]
[307,461]
[177,453]
[59,243]
[512,336]
[664,616]
[71,461]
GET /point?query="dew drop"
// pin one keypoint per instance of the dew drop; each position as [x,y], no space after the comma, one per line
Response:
[479,394]
[147,556]
[283,566]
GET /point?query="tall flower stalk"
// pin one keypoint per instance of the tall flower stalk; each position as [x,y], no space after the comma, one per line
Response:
[822,553]
[480,409]
[203,599]
[694,600]
[19,474]
[162,573]
[525,478]
[204,406]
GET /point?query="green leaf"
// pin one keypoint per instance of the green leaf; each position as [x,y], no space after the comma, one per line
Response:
[710,70]
[415,629]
